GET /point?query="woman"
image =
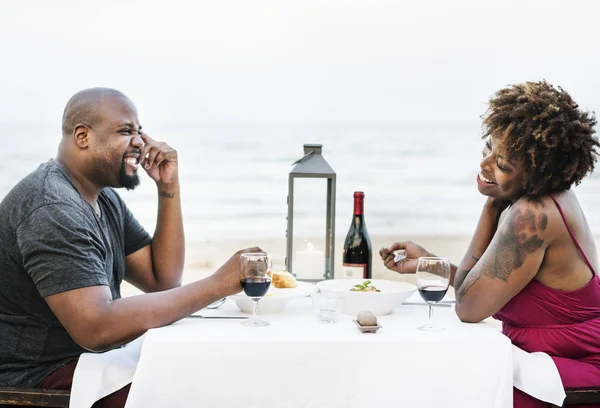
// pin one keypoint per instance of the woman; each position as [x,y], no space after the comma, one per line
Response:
[532,260]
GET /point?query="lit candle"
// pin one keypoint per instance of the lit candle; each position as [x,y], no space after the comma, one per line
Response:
[309,263]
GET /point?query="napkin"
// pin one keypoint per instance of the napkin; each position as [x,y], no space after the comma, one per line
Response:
[100,374]
[537,375]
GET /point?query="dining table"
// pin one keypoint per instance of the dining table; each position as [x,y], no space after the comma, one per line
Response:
[298,361]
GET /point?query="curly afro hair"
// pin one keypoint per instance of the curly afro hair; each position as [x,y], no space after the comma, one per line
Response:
[540,126]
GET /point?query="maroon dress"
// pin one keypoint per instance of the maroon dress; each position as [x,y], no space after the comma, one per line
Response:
[563,324]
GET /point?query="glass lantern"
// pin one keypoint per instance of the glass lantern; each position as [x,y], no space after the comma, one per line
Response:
[311,217]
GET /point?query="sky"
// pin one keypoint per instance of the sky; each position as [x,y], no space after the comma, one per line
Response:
[324,61]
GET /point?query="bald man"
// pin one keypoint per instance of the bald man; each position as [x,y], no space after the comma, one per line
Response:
[67,240]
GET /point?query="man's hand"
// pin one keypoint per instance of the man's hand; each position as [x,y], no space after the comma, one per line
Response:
[408,264]
[159,160]
[229,275]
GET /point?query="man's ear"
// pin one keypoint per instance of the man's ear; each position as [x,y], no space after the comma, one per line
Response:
[81,135]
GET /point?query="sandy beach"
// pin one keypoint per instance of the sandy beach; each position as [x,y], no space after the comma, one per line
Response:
[202,259]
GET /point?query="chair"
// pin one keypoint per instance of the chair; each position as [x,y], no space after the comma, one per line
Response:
[32,397]
[580,396]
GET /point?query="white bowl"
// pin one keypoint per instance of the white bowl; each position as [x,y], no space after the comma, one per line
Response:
[392,294]
[276,299]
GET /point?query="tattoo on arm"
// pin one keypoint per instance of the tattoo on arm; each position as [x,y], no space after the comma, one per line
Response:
[461,274]
[517,239]
[464,288]
[166,195]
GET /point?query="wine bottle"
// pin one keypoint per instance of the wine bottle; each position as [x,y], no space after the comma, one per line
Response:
[357,254]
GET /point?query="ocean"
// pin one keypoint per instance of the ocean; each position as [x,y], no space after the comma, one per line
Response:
[418,180]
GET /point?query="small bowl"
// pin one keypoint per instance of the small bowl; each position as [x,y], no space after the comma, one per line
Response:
[392,294]
[367,329]
[275,300]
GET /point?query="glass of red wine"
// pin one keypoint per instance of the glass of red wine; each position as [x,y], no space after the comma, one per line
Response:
[433,278]
[255,279]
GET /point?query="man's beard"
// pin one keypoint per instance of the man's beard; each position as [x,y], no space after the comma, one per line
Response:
[127,181]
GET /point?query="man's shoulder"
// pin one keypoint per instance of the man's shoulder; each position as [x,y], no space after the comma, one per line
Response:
[45,186]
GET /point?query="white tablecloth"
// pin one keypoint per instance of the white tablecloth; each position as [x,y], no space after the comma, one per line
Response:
[299,362]
[100,374]
[537,375]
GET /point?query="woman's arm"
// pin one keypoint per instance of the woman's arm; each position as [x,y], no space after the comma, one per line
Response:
[511,261]
[486,228]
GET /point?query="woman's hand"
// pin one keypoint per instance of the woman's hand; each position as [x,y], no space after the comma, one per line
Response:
[408,264]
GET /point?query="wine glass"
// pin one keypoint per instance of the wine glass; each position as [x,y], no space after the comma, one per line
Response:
[433,278]
[255,279]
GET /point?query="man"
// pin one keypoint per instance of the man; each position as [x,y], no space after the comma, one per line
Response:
[67,241]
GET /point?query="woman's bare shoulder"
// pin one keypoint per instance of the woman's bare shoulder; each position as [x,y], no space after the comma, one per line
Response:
[561,212]
[542,213]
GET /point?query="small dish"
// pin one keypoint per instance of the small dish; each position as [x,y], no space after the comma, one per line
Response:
[276,299]
[367,329]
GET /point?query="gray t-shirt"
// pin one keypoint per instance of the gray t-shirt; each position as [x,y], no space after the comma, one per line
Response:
[52,241]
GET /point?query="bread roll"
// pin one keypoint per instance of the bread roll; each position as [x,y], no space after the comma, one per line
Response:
[283,280]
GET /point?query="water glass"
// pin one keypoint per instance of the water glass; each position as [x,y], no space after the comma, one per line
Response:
[327,307]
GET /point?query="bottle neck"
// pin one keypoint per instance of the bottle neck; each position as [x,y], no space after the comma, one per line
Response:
[359,206]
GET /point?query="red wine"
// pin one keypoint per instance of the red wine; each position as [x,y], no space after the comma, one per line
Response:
[255,287]
[357,254]
[433,293]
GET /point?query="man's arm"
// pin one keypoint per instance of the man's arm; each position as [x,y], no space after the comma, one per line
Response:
[98,323]
[159,266]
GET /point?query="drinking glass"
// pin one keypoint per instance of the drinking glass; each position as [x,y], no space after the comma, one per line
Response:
[327,306]
[255,279]
[433,278]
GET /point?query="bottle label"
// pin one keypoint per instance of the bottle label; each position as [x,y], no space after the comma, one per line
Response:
[358,271]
